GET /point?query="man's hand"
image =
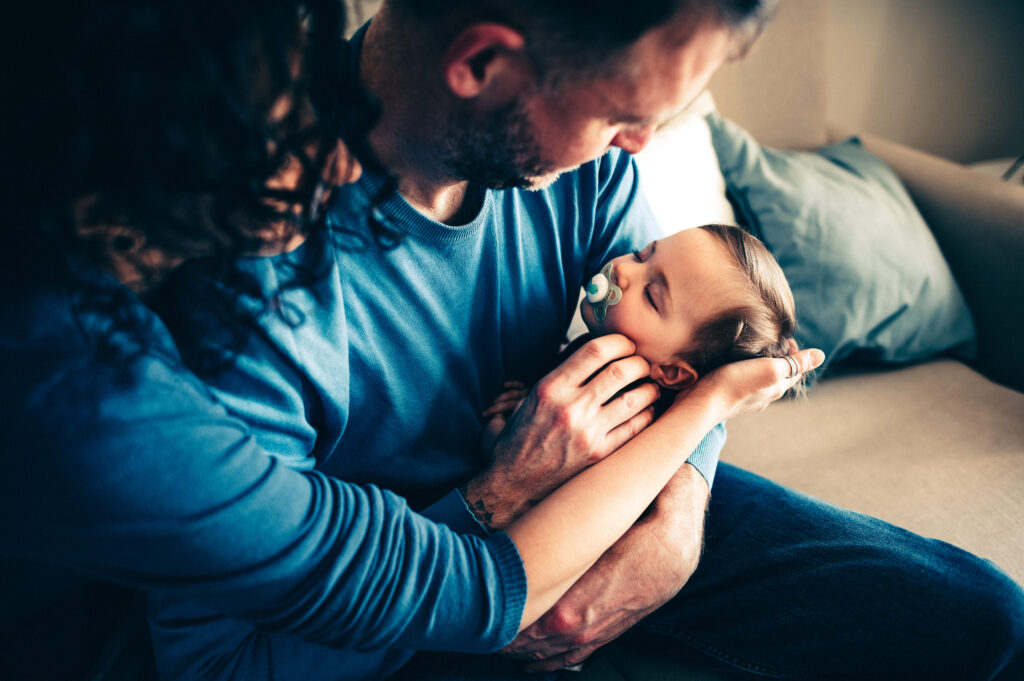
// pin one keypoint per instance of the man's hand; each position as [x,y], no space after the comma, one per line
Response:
[647,567]
[571,419]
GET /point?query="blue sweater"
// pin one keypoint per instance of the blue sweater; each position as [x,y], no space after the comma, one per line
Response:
[119,466]
[398,352]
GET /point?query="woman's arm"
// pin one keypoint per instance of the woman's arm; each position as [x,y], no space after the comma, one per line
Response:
[565,534]
[558,542]
[137,477]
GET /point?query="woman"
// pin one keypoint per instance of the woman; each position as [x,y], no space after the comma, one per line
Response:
[147,134]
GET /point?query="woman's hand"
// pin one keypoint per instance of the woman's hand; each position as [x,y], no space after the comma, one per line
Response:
[752,384]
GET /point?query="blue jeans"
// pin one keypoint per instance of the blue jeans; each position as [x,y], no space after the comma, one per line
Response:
[790,587]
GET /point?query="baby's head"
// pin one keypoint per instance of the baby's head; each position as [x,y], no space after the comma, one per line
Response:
[696,300]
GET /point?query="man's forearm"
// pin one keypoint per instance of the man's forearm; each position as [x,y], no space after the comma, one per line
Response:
[637,575]
[494,502]
[682,504]
[679,513]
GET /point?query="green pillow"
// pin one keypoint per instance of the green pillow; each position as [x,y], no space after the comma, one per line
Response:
[868,278]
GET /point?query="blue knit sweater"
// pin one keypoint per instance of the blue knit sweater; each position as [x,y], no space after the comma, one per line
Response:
[399,351]
[119,466]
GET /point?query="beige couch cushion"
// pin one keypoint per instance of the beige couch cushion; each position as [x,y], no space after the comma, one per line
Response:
[935,448]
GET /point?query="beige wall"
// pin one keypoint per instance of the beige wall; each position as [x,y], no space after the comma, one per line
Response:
[946,76]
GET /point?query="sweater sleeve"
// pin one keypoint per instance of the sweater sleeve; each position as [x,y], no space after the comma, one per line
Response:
[133,474]
[193,642]
[705,457]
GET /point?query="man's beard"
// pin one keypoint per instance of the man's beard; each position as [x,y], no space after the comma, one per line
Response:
[497,150]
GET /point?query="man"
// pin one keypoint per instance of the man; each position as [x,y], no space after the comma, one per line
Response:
[520,113]
[492,115]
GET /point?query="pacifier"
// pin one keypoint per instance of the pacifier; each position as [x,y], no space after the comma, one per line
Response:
[602,293]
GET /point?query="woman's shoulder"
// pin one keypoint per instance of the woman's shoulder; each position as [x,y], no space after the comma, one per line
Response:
[73,340]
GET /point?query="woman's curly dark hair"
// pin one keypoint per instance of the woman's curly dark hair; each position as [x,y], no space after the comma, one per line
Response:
[156,116]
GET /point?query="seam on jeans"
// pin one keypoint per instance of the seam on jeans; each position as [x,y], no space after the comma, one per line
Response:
[719,654]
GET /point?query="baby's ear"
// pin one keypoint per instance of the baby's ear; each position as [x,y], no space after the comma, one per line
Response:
[676,375]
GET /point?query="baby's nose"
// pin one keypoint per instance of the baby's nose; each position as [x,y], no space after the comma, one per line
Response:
[620,275]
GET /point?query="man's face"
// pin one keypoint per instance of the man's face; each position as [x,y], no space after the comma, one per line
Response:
[539,135]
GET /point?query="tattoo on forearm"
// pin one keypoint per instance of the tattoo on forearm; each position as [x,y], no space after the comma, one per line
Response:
[479,511]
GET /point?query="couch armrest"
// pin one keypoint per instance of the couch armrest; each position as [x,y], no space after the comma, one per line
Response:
[978,222]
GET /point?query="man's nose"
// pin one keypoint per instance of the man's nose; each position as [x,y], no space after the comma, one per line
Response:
[633,140]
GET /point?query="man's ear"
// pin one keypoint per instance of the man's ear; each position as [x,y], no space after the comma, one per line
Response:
[676,375]
[477,55]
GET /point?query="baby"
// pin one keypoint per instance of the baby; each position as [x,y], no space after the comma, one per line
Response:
[691,302]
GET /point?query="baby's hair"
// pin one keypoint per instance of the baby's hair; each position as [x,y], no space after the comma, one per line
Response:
[764,326]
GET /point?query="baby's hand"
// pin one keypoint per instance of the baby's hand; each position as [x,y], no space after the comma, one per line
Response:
[507,402]
[499,413]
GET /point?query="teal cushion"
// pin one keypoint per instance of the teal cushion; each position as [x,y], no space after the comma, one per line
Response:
[868,278]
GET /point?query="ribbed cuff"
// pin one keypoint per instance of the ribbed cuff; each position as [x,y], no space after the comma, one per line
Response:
[705,457]
[513,576]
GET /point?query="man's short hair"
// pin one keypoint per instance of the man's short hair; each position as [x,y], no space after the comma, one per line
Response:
[586,37]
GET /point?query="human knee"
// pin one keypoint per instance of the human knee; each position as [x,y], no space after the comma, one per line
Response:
[1006,605]
[995,602]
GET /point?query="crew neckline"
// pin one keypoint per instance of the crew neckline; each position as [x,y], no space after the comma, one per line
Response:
[408,220]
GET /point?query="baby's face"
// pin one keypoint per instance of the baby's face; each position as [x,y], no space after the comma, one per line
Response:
[669,289]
